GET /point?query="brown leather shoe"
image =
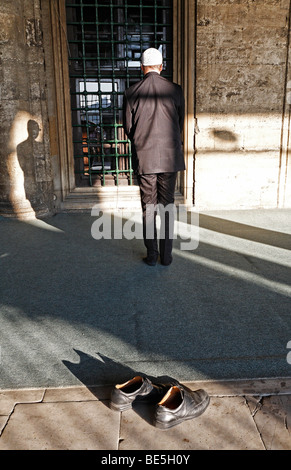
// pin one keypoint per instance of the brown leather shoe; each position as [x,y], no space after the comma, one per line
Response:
[178,405]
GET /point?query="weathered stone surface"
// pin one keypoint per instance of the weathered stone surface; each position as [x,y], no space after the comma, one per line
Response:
[243,78]
[225,425]
[74,418]
[88,425]
[240,95]
[272,415]
[25,170]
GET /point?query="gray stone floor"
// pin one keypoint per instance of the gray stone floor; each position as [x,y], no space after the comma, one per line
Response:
[74,309]
[79,315]
[242,415]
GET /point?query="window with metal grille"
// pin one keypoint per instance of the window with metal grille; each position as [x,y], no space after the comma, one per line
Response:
[106,39]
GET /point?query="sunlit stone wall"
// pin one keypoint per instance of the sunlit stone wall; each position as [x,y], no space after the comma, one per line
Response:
[242,95]
[242,78]
[25,173]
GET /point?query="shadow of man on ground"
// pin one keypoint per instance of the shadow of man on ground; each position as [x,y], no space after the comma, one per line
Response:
[93,371]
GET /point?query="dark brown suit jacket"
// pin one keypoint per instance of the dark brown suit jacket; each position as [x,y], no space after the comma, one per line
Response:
[153,117]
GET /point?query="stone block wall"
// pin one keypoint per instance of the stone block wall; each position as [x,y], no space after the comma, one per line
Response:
[242,85]
[25,172]
[241,71]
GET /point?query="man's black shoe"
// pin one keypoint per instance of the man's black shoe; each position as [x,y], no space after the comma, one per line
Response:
[167,261]
[150,261]
[164,263]
[138,388]
[178,405]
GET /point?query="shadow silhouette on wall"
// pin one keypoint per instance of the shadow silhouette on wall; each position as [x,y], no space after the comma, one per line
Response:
[30,154]
[224,135]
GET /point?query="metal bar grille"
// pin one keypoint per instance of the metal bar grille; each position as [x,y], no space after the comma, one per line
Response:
[106,39]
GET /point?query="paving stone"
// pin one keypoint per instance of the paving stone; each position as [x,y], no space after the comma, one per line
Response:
[241,387]
[227,424]
[8,398]
[89,425]
[76,394]
[3,420]
[272,416]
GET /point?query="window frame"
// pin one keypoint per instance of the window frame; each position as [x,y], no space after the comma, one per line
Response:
[184,33]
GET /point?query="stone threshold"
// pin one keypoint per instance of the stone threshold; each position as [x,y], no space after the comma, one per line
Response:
[219,388]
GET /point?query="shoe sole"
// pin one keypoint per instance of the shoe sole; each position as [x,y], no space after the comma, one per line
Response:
[164,426]
[125,407]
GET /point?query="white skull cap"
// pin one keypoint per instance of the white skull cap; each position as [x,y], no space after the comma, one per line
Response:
[151,57]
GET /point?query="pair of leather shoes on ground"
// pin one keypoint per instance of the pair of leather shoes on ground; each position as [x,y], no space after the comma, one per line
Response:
[174,402]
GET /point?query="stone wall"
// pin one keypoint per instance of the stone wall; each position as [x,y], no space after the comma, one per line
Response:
[241,154]
[242,81]
[25,173]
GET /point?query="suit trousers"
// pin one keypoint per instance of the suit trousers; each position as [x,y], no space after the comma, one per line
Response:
[157,190]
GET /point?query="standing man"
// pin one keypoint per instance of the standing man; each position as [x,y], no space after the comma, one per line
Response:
[153,119]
